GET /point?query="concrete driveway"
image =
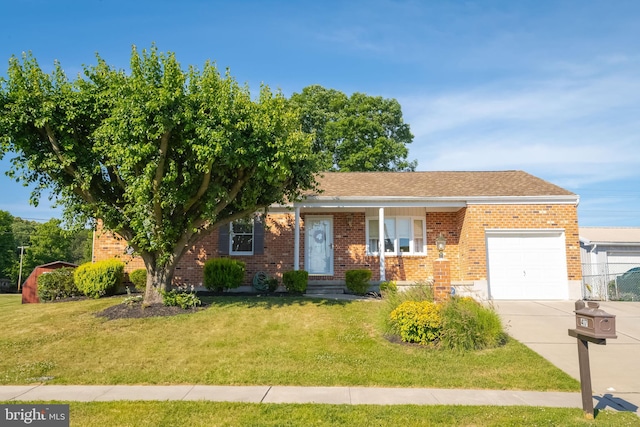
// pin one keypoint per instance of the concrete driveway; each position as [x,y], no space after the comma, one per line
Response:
[615,367]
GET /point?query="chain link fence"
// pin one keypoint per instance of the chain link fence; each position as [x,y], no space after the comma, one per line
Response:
[611,281]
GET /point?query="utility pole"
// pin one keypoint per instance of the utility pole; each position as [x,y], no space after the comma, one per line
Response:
[22,248]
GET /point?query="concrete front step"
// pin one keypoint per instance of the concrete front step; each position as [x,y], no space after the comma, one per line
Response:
[325,289]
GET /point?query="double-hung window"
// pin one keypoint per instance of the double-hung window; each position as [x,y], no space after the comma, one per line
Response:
[402,235]
[241,237]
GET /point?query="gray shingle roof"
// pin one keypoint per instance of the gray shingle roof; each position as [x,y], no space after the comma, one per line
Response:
[436,184]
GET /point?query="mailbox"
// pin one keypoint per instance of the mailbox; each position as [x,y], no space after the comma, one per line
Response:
[594,322]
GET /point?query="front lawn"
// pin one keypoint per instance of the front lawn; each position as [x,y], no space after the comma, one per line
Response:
[193,414]
[247,341]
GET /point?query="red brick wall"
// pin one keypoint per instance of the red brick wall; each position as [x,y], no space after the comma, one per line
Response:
[476,218]
[464,231]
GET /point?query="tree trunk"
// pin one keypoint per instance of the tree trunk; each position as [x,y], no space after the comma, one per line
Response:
[158,280]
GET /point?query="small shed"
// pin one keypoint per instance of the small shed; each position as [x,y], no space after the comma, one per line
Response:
[30,286]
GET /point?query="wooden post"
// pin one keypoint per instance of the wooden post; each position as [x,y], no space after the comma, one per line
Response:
[585,378]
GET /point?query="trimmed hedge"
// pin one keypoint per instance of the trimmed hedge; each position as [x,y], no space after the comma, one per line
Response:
[139,279]
[358,281]
[223,273]
[57,284]
[295,281]
[388,287]
[99,278]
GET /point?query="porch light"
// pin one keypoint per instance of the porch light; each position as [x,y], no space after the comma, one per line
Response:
[441,243]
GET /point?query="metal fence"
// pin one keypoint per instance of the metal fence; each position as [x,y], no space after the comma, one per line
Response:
[611,281]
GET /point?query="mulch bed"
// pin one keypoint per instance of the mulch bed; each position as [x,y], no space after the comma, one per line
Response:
[137,311]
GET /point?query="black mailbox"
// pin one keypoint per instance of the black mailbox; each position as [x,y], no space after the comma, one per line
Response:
[594,322]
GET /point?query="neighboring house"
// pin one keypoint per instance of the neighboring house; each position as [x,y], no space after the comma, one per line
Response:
[510,235]
[607,253]
[30,286]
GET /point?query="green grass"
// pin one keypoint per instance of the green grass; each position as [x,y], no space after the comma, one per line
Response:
[247,341]
[170,414]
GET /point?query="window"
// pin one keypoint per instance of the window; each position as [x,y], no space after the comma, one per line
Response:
[402,235]
[241,237]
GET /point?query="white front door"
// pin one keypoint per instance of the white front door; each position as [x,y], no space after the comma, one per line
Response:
[319,245]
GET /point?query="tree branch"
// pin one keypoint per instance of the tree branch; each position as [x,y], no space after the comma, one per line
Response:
[206,180]
[68,169]
[157,206]
[243,178]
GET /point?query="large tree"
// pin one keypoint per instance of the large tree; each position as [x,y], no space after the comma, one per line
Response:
[357,133]
[161,155]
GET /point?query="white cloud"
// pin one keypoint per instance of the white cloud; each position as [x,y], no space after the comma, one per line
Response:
[563,127]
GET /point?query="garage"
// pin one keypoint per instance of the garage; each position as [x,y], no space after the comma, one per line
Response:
[620,262]
[527,264]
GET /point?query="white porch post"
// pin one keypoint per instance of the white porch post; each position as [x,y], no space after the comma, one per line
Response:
[296,241]
[381,243]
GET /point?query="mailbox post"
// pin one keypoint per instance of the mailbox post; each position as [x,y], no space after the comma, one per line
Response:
[592,325]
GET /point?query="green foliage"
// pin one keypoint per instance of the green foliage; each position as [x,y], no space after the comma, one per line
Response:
[162,155]
[357,281]
[100,278]
[223,273]
[7,245]
[468,325]
[389,287]
[45,243]
[132,300]
[417,322]
[420,291]
[295,280]
[57,284]
[357,133]
[184,300]
[272,284]
[139,278]
[48,243]
[80,245]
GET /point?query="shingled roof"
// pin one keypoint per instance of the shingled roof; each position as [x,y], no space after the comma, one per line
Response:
[435,184]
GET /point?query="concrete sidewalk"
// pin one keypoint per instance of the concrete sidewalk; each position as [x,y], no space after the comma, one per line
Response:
[543,326]
[290,394]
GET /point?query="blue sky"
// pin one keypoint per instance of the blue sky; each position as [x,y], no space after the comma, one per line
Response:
[549,87]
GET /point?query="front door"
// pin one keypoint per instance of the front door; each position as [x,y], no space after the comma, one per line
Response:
[319,245]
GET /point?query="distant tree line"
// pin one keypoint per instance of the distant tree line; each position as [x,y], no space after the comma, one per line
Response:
[43,243]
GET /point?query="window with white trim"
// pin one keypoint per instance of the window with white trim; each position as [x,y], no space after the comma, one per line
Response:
[241,237]
[402,235]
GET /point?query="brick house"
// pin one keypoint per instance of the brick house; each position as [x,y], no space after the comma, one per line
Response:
[510,235]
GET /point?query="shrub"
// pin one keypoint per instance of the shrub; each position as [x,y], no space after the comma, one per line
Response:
[184,300]
[273,284]
[468,325]
[420,291]
[389,287]
[295,281]
[417,322]
[223,273]
[358,281]
[139,279]
[57,284]
[99,278]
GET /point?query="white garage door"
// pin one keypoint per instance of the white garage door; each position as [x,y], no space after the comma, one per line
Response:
[528,265]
